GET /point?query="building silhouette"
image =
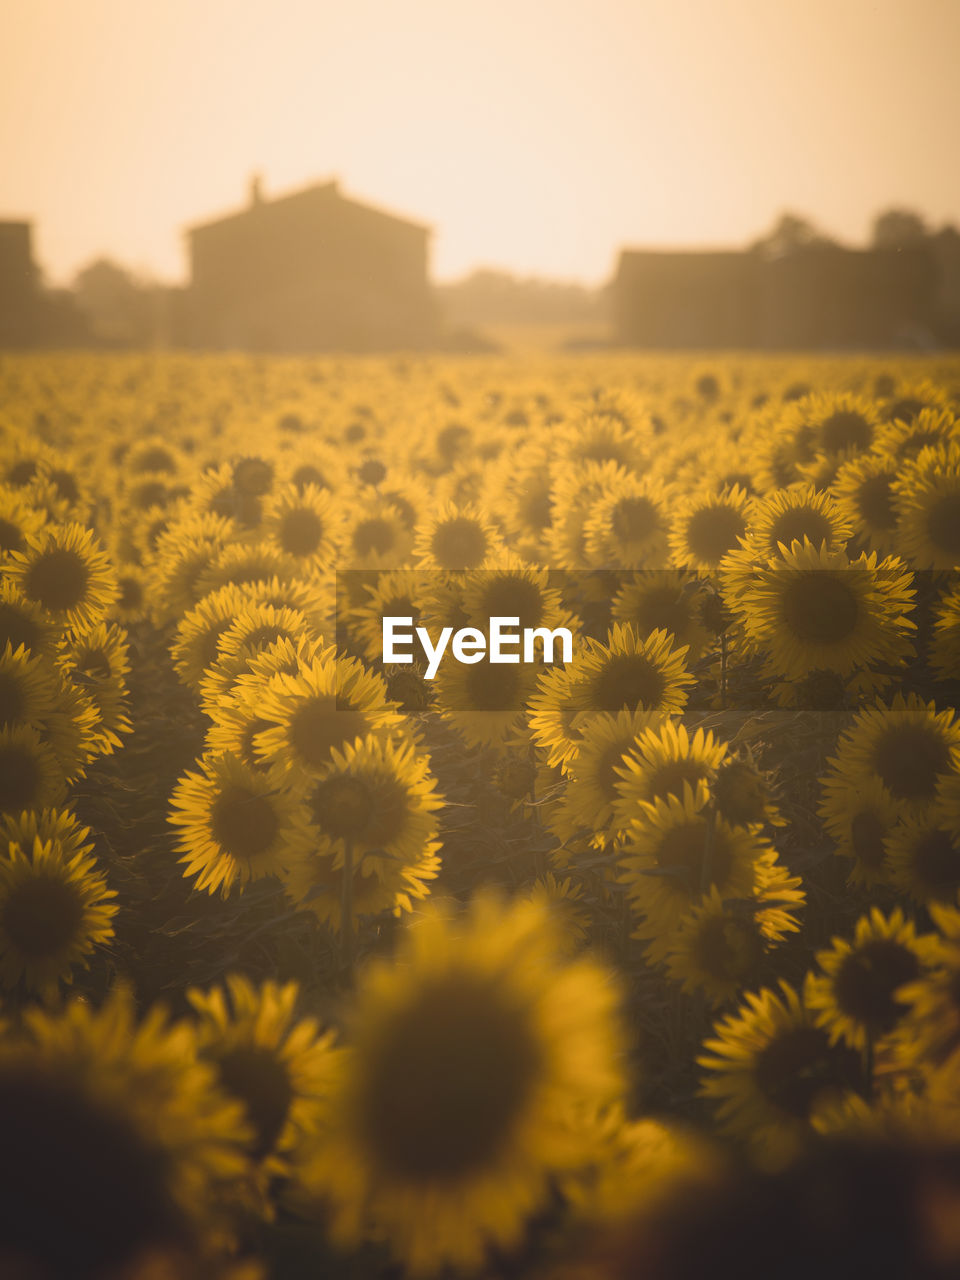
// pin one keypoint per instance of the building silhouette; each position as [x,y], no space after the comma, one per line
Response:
[819,297]
[30,315]
[311,270]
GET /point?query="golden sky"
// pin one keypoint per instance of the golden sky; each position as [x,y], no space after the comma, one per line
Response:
[536,135]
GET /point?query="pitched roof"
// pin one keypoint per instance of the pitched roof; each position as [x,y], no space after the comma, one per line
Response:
[301,195]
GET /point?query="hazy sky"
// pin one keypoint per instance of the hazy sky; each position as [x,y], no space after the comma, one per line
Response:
[538,135]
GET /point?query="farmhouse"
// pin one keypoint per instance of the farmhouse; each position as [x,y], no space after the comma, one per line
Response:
[311,270]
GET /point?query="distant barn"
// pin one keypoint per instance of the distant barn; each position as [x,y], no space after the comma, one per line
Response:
[308,271]
[821,297]
[18,285]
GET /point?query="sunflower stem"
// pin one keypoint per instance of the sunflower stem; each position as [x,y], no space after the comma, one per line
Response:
[346,907]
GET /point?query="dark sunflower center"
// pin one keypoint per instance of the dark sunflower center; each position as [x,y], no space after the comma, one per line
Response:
[867,834]
[909,759]
[12,699]
[372,471]
[683,849]
[373,536]
[11,536]
[491,687]
[867,979]
[663,608]
[819,608]
[668,778]
[845,429]
[936,864]
[730,949]
[875,502]
[152,493]
[21,473]
[319,725]
[628,680]
[905,409]
[262,1083]
[797,1065]
[449,1078]
[58,579]
[713,531]
[155,459]
[741,793]
[301,532]
[253,476]
[635,520]
[41,916]
[131,593]
[506,597]
[243,823]
[20,779]
[943,525]
[459,543]
[67,1160]
[797,523]
[308,474]
[342,806]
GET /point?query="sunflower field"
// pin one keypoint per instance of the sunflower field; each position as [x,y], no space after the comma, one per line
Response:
[644,963]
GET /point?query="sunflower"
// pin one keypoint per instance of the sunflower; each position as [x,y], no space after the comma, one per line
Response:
[98,663]
[855,997]
[484,701]
[903,437]
[132,594]
[67,574]
[19,521]
[377,536]
[864,494]
[243,565]
[305,524]
[553,714]
[929,1029]
[253,476]
[811,609]
[927,497]
[945,641]
[234,826]
[510,590]
[838,424]
[798,514]
[628,527]
[31,776]
[908,745]
[395,593]
[590,799]
[633,671]
[573,495]
[471,1059]
[564,899]
[196,645]
[24,623]
[663,759]
[923,856]
[58,826]
[114,1129]
[770,1067]
[28,688]
[674,851]
[278,1066]
[255,628]
[708,525]
[605,437]
[183,553]
[455,537]
[664,600]
[859,817]
[329,703]
[721,947]
[54,911]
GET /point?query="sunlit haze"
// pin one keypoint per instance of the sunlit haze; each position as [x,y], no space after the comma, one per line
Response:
[535,137]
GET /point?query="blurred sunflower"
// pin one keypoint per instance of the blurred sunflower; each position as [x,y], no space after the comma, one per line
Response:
[234,826]
[664,600]
[484,701]
[24,623]
[811,609]
[923,856]
[377,536]
[28,688]
[564,899]
[770,1067]
[31,776]
[859,817]
[197,640]
[277,1065]
[98,663]
[54,911]
[255,628]
[663,759]
[708,525]
[927,498]
[67,574]
[183,554]
[116,1131]
[305,524]
[929,1029]
[840,423]
[241,565]
[855,997]
[902,438]
[471,1058]
[457,537]
[395,593]
[945,640]
[19,521]
[908,745]
[798,514]
[628,527]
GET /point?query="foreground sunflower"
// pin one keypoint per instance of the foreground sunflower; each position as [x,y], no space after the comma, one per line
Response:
[470,1059]
[114,1130]
[855,997]
[927,496]
[708,525]
[67,574]
[770,1068]
[628,670]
